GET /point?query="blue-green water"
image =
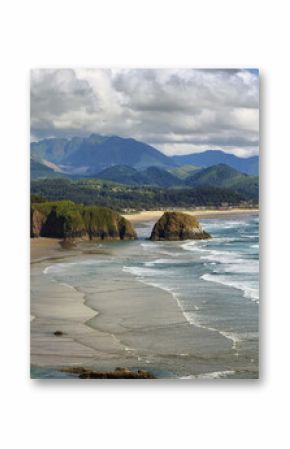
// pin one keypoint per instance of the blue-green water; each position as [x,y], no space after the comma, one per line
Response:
[214,282]
[197,272]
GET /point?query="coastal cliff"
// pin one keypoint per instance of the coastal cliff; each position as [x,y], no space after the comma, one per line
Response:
[67,220]
[178,226]
[36,222]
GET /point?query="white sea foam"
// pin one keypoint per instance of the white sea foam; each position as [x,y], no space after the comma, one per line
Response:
[67,285]
[227,260]
[190,316]
[224,224]
[235,224]
[142,276]
[140,271]
[237,266]
[194,246]
[172,253]
[57,267]
[234,337]
[148,246]
[66,266]
[226,239]
[212,375]
[249,292]
[231,262]
[163,262]
[223,256]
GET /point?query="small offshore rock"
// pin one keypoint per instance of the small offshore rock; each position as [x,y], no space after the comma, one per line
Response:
[178,226]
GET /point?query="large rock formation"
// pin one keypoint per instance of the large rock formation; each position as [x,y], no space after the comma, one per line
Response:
[178,226]
[67,220]
[36,222]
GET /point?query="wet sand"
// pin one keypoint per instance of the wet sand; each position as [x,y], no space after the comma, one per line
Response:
[120,323]
[44,248]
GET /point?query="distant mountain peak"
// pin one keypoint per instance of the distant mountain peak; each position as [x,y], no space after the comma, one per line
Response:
[209,158]
[223,168]
[98,152]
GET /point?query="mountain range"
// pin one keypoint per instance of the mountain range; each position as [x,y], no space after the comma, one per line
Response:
[90,155]
[129,162]
[95,153]
[249,165]
[155,176]
[223,176]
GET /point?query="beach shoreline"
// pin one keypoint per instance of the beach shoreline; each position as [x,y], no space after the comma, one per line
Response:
[95,332]
[199,213]
[47,248]
[44,248]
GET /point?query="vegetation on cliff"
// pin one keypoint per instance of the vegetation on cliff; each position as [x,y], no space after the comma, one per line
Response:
[65,219]
[120,197]
[178,226]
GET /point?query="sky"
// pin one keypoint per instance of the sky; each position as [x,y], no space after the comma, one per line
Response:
[178,111]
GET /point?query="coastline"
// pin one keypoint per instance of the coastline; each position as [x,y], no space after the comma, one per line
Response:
[199,213]
[97,334]
[46,248]
[119,323]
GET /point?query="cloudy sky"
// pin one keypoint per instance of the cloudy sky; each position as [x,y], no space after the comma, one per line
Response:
[178,111]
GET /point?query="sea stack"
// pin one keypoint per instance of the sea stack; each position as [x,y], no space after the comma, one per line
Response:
[178,226]
[67,220]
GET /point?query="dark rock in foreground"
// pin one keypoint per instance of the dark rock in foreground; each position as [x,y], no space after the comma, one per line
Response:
[119,373]
[58,333]
[178,226]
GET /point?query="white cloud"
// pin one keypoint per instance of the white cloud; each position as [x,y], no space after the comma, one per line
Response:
[178,111]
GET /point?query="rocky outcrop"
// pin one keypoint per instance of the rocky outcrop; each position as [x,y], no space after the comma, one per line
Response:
[57,225]
[105,224]
[178,226]
[67,220]
[118,373]
[36,222]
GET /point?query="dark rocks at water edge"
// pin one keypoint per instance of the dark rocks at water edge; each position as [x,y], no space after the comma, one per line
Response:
[118,373]
[58,333]
[68,220]
[178,226]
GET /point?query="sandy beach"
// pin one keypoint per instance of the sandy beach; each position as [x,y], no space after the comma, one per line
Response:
[115,320]
[200,213]
[115,325]
[44,248]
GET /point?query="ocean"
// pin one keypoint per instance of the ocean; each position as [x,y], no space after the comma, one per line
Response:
[215,283]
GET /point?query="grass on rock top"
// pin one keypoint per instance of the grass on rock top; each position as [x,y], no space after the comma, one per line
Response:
[77,216]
